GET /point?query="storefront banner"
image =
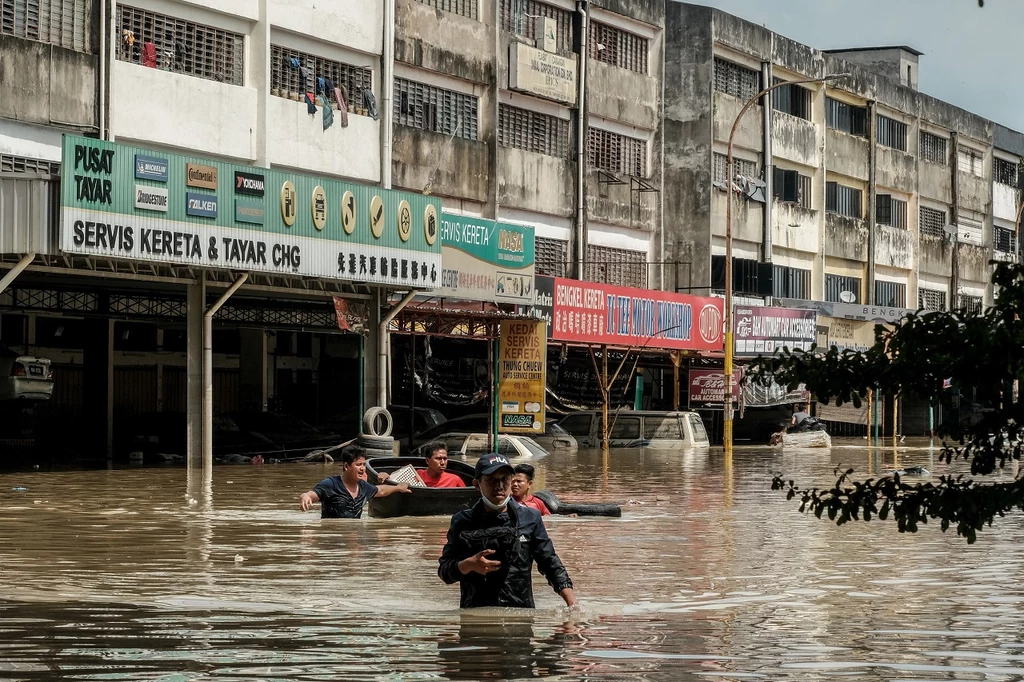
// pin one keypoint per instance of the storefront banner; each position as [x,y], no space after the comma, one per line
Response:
[848,334]
[120,201]
[849,311]
[707,387]
[590,312]
[762,330]
[522,362]
[484,260]
[544,301]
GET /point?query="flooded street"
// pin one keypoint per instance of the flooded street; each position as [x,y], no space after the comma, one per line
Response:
[129,575]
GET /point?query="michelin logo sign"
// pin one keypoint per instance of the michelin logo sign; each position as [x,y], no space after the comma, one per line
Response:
[150,168]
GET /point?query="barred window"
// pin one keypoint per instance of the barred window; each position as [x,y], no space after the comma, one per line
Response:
[790,282]
[846,117]
[890,211]
[791,186]
[550,256]
[427,107]
[616,153]
[970,161]
[287,81]
[840,287]
[792,99]
[616,266]
[466,8]
[21,164]
[533,131]
[843,200]
[891,294]
[931,299]
[1004,240]
[969,304]
[931,221]
[933,148]
[617,47]
[56,22]
[520,17]
[736,80]
[747,169]
[179,45]
[1005,172]
[891,133]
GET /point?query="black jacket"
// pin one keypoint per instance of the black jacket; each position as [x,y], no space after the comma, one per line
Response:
[519,538]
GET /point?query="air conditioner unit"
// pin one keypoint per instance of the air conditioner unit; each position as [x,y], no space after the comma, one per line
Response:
[544,29]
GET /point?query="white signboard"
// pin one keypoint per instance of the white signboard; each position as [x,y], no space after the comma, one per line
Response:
[969,232]
[540,73]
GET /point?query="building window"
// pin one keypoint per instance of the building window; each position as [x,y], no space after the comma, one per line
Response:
[171,44]
[841,289]
[466,8]
[890,211]
[1004,240]
[533,131]
[427,107]
[748,276]
[617,47]
[933,148]
[740,167]
[736,80]
[791,186]
[932,222]
[550,256]
[616,153]
[970,161]
[891,294]
[891,133]
[616,266]
[846,117]
[55,22]
[790,282]
[1005,172]
[931,299]
[969,304]
[520,17]
[287,81]
[843,200]
[20,164]
[792,99]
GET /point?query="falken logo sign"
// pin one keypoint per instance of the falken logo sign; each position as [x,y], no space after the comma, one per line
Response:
[249,183]
[202,205]
[150,168]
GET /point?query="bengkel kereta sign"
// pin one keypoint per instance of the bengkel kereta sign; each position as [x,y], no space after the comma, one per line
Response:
[641,318]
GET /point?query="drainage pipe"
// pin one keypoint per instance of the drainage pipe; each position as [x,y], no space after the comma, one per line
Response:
[13,273]
[384,348]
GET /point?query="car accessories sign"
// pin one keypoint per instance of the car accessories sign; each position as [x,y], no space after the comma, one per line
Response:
[522,365]
[707,387]
[762,331]
[484,260]
[120,201]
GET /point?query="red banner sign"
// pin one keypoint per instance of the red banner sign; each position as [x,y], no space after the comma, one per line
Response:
[620,316]
[707,386]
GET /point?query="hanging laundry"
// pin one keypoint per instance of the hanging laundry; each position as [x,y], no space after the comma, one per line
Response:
[310,104]
[149,55]
[294,63]
[307,78]
[328,112]
[321,85]
[342,107]
[371,103]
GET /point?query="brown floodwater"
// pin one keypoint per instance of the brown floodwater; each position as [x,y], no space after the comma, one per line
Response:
[147,574]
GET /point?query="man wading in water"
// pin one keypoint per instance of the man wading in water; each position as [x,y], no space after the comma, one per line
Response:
[343,497]
[492,546]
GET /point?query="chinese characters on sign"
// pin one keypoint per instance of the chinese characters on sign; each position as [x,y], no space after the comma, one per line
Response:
[522,363]
[484,260]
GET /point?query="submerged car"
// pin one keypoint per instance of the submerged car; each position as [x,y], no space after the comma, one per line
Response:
[474,445]
[636,428]
[554,438]
[24,377]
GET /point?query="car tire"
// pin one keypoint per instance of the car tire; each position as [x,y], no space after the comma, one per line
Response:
[376,443]
[370,422]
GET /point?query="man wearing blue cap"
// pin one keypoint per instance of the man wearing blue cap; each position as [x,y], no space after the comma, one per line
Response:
[492,546]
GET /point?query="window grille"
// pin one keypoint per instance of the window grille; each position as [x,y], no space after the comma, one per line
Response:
[933,148]
[617,47]
[1004,240]
[287,82]
[181,46]
[533,131]
[843,200]
[466,8]
[792,99]
[790,186]
[427,107]
[550,256]
[835,285]
[616,153]
[616,266]
[56,22]
[747,169]
[890,211]
[1005,172]
[736,80]
[891,294]
[970,161]
[931,221]
[791,282]
[891,133]
[969,304]
[20,164]
[846,117]
[520,17]
[931,299]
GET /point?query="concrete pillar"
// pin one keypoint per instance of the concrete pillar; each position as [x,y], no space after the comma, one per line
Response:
[98,380]
[196,302]
[252,367]
[259,78]
[371,350]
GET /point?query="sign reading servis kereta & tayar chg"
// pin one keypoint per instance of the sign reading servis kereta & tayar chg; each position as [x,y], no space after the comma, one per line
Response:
[120,201]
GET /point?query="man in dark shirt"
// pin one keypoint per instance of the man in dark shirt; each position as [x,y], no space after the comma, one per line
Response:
[343,497]
[492,546]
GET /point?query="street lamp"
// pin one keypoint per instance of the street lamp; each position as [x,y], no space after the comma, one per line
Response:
[727,427]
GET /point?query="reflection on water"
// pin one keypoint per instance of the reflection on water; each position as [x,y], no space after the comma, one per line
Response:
[149,574]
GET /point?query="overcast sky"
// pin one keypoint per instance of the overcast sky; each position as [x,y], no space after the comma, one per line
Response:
[971,54]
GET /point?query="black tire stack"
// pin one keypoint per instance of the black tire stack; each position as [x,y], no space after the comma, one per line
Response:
[375,437]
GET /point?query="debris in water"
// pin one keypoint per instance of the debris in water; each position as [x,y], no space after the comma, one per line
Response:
[20,489]
[239,558]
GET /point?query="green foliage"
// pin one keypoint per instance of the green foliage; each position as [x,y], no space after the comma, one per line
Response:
[983,351]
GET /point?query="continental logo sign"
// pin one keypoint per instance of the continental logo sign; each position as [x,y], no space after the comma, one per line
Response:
[197,175]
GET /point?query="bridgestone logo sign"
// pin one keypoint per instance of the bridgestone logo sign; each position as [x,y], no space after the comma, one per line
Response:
[151,198]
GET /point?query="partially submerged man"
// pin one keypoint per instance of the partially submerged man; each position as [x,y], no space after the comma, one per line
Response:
[493,545]
[343,497]
[435,475]
[522,489]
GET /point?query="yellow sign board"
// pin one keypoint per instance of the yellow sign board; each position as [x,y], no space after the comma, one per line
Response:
[522,372]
